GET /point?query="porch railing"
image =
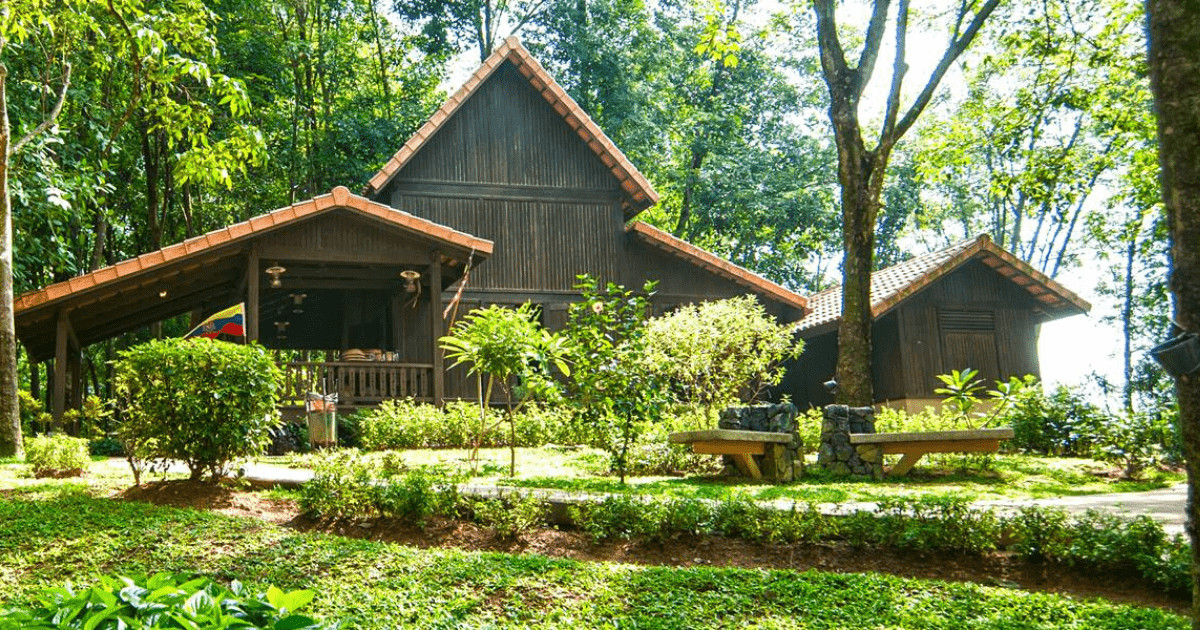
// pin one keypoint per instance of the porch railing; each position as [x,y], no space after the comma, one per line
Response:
[357,383]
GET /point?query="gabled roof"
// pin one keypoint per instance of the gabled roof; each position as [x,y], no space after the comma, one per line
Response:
[339,198]
[891,286]
[638,194]
[701,258]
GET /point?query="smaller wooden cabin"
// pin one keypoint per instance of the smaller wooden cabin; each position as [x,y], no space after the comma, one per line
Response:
[345,290]
[971,305]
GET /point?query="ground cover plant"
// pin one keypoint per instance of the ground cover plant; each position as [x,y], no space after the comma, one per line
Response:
[163,601]
[71,536]
[350,485]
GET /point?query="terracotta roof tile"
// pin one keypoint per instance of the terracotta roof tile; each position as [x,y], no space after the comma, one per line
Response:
[893,285]
[708,260]
[245,230]
[632,181]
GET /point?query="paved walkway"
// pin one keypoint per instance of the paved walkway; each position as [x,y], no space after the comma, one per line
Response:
[1167,506]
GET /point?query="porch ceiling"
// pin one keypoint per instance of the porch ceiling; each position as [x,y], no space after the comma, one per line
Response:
[210,272]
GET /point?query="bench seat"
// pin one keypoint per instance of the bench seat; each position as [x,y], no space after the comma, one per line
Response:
[741,445]
[914,445]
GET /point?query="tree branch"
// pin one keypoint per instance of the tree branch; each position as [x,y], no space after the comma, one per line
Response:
[833,58]
[50,120]
[899,68]
[956,48]
[870,51]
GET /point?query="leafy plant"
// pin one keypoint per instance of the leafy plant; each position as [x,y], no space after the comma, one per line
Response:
[505,344]
[203,402]
[611,381]
[164,601]
[57,455]
[961,392]
[1059,423]
[510,515]
[1132,440]
[717,352]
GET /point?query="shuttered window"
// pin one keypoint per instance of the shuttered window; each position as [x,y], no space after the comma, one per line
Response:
[953,320]
[969,341]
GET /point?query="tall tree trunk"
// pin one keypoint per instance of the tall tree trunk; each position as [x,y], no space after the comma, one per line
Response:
[1127,320]
[1174,29]
[10,413]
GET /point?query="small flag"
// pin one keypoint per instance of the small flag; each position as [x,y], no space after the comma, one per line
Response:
[230,321]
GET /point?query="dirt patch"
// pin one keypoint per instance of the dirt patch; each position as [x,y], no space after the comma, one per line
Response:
[215,497]
[996,569]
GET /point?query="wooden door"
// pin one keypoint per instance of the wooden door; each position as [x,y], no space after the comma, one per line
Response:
[969,341]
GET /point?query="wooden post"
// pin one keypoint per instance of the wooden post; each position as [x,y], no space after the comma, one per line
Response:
[252,291]
[437,324]
[59,401]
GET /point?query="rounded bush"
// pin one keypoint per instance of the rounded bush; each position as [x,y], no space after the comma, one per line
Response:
[203,402]
[57,456]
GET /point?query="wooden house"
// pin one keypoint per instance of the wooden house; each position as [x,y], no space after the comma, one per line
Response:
[971,305]
[509,170]
[512,158]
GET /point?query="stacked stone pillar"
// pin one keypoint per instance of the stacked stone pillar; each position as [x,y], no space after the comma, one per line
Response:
[837,454]
[781,462]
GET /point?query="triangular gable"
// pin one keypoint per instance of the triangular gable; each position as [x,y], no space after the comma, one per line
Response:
[637,192]
[891,286]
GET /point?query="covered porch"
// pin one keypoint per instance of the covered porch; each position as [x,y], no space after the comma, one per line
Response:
[346,292]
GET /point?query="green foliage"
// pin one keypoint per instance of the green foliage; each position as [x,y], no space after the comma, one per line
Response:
[719,352]
[510,515]
[961,391]
[203,402]
[505,344]
[1060,423]
[57,455]
[106,447]
[1133,440]
[341,487]
[374,585]
[611,381]
[31,411]
[400,424]
[164,601]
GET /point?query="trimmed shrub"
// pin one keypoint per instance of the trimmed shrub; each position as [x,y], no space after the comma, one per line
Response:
[164,601]
[203,402]
[717,352]
[1060,423]
[57,456]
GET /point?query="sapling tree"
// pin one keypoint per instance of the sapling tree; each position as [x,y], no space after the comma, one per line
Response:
[611,379]
[503,345]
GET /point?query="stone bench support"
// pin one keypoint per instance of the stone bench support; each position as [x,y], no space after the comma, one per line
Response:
[742,446]
[873,446]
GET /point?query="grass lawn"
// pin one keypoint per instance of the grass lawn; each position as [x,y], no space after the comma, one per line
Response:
[1006,477]
[54,532]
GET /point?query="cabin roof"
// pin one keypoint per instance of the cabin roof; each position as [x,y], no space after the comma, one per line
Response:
[200,267]
[706,260]
[893,285]
[638,194]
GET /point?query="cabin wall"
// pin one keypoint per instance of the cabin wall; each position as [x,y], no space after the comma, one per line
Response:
[933,343]
[805,377]
[506,167]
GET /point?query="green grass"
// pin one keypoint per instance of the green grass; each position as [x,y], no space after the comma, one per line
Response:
[67,535]
[1001,477]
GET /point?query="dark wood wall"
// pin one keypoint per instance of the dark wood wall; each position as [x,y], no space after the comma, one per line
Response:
[972,318]
[506,167]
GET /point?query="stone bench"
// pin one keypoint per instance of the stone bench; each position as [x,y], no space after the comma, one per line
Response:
[914,445]
[743,446]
